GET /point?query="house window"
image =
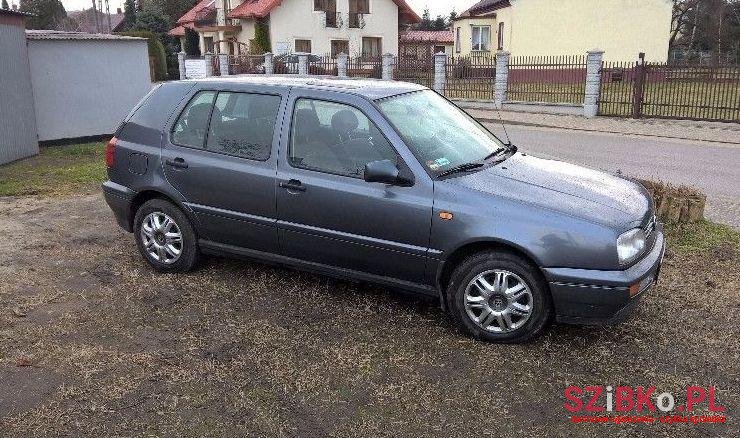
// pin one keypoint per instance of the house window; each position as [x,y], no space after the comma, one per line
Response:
[457,41]
[501,36]
[325,5]
[481,38]
[359,6]
[339,46]
[303,46]
[371,47]
[439,49]
[208,43]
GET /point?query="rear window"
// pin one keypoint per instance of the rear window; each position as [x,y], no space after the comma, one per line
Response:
[149,117]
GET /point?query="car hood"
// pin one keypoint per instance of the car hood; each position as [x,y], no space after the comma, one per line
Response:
[555,185]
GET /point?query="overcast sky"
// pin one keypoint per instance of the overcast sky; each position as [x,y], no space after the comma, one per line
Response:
[436,7]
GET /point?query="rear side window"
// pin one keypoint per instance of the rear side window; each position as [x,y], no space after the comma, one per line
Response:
[190,128]
[145,125]
[243,125]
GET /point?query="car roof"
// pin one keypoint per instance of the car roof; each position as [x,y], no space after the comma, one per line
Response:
[369,88]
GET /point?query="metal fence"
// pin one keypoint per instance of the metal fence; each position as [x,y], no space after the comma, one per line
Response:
[548,79]
[639,89]
[245,64]
[470,77]
[418,69]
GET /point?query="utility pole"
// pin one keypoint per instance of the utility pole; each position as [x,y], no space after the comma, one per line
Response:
[95,12]
[107,12]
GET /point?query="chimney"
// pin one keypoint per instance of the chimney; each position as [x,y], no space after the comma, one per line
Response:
[118,11]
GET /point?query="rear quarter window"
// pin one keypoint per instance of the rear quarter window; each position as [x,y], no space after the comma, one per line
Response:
[146,123]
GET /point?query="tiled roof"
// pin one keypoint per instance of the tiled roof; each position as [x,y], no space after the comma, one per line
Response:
[254,8]
[437,36]
[60,35]
[484,7]
[190,15]
[261,8]
[85,20]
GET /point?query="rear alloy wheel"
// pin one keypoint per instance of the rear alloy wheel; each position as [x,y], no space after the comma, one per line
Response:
[499,297]
[165,237]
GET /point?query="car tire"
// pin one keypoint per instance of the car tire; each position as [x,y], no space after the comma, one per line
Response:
[173,246]
[499,297]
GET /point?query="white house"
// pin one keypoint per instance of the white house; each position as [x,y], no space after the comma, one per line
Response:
[356,27]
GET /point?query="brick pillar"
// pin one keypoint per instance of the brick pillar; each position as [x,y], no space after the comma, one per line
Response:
[388,61]
[303,64]
[440,59]
[209,63]
[342,60]
[269,63]
[502,78]
[181,64]
[223,64]
[593,83]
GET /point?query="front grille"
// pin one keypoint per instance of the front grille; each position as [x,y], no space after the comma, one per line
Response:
[650,227]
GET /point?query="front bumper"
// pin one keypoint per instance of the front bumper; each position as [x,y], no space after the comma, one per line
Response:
[583,296]
[119,199]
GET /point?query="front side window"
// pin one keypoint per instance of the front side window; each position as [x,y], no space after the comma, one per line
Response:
[481,36]
[371,47]
[190,128]
[243,125]
[335,138]
[441,135]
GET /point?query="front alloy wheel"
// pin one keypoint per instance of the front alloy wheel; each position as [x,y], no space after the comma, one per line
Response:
[498,301]
[500,297]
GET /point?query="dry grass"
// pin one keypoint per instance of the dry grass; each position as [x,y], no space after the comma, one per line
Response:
[238,348]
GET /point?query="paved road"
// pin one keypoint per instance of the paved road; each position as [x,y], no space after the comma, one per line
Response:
[714,168]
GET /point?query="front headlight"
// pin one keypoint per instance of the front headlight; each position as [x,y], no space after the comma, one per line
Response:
[630,245]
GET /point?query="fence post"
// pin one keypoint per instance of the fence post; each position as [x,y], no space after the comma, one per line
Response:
[181,64]
[342,60]
[502,78]
[440,59]
[269,63]
[638,92]
[593,83]
[223,64]
[303,64]
[209,63]
[387,74]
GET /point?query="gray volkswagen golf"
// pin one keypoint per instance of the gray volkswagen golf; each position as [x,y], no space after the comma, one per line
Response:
[385,182]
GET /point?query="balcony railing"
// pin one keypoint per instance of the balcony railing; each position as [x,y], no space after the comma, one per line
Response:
[333,19]
[206,17]
[356,20]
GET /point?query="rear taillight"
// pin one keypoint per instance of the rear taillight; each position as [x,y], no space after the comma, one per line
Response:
[110,152]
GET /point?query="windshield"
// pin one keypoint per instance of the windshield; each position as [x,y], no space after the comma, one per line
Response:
[441,135]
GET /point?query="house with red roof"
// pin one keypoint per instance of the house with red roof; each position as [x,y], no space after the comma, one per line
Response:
[356,27]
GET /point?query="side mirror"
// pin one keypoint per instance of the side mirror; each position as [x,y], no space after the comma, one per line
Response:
[382,171]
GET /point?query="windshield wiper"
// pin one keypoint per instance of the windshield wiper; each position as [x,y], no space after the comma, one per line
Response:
[461,168]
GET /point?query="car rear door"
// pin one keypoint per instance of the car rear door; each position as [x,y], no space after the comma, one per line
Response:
[327,213]
[220,154]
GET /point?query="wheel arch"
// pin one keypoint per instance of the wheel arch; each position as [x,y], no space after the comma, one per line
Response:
[147,195]
[470,248]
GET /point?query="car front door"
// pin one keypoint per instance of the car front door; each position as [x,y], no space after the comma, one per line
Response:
[327,213]
[220,155]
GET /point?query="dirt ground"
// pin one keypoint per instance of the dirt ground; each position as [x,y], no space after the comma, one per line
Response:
[94,343]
